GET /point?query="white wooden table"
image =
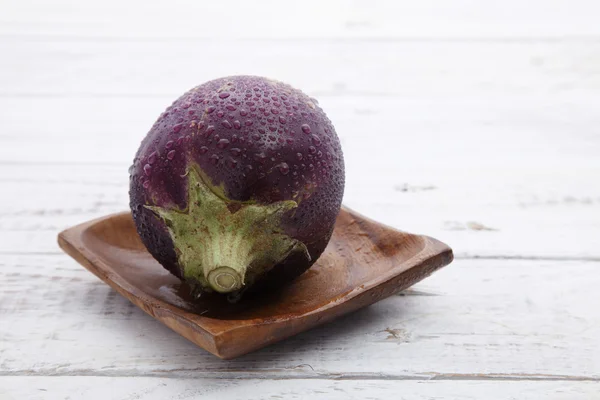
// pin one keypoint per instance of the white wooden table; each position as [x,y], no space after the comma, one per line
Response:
[477,122]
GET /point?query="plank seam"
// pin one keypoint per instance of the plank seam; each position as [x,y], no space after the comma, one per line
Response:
[223,374]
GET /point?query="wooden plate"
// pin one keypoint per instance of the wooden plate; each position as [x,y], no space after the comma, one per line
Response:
[363,263]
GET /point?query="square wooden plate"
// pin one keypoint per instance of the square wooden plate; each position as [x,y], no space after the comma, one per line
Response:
[364,262]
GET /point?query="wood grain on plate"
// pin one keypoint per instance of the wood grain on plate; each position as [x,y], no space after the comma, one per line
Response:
[363,263]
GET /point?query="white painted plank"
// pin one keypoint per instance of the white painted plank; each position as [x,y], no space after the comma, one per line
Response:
[407,69]
[476,319]
[75,387]
[308,19]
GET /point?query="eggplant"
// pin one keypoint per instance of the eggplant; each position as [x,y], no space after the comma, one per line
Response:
[238,184]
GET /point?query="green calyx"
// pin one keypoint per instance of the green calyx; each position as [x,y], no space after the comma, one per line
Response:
[224,245]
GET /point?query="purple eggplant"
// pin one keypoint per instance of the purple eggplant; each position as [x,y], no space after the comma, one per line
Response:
[238,184]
